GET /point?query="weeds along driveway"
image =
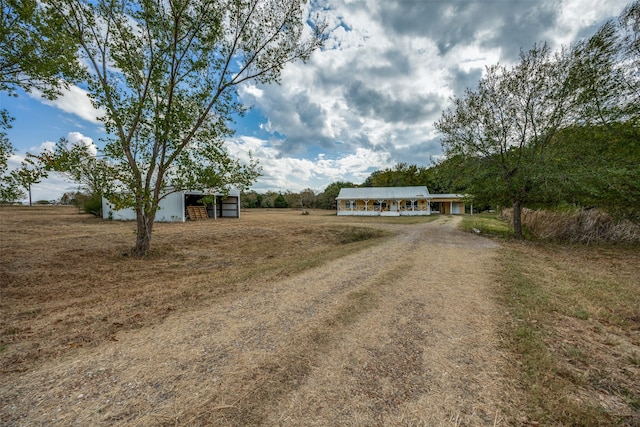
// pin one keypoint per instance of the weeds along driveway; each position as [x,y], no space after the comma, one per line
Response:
[402,333]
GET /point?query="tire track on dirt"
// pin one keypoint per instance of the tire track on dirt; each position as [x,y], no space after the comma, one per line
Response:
[369,339]
[426,355]
[143,377]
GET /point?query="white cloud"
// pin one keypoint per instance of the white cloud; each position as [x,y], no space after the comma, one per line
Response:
[75,101]
[576,15]
[45,146]
[297,174]
[76,138]
[73,138]
[369,99]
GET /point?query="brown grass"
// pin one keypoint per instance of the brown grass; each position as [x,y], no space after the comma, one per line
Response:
[229,323]
[578,226]
[575,331]
[68,281]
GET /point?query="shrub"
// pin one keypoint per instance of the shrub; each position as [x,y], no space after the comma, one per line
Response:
[90,203]
[578,226]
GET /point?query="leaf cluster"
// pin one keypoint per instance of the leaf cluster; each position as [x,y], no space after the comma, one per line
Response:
[34,54]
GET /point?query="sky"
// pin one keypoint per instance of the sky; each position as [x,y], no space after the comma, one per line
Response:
[366,101]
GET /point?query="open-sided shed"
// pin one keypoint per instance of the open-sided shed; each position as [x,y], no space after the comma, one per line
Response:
[174,207]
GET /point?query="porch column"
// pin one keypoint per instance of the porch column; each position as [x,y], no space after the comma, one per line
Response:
[451,208]
[428,207]
[351,202]
[366,205]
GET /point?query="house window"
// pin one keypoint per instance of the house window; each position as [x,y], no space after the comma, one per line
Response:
[377,205]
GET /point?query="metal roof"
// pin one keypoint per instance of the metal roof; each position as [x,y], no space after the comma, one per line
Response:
[383,193]
[448,196]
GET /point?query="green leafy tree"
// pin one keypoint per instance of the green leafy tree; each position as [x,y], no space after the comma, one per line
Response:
[268,199]
[597,166]
[280,201]
[327,200]
[79,163]
[8,190]
[596,159]
[250,199]
[605,71]
[34,54]
[630,52]
[402,175]
[449,175]
[291,199]
[30,172]
[166,75]
[308,198]
[506,125]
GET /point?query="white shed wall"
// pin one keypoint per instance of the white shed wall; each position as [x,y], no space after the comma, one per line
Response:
[171,209]
[108,212]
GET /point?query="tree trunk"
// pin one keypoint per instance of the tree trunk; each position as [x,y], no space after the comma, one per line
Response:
[144,223]
[517,220]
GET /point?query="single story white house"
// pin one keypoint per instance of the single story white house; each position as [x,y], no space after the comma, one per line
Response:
[397,201]
[173,207]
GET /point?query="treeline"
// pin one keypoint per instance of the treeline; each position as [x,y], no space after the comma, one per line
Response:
[439,178]
[306,199]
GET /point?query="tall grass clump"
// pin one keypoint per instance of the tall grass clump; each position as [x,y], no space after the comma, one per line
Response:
[578,226]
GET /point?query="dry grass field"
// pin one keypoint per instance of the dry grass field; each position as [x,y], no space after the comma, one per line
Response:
[574,326]
[69,282]
[279,318]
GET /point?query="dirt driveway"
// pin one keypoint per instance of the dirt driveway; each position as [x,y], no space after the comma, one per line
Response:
[398,334]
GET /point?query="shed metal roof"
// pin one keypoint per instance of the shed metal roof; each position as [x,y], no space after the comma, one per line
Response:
[381,193]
